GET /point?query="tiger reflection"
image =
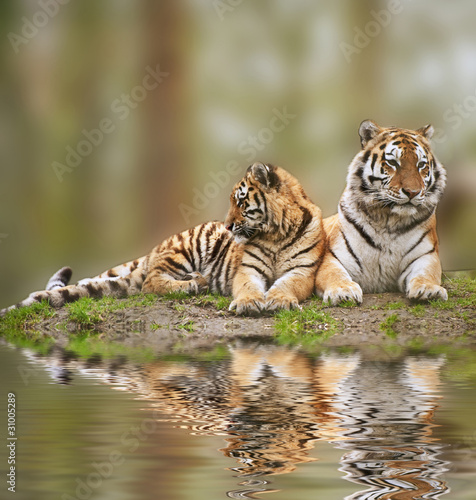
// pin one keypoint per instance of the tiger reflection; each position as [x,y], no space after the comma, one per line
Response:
[271,404]
[388,414]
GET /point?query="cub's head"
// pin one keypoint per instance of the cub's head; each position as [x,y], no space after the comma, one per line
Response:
[255,202]
[396,169]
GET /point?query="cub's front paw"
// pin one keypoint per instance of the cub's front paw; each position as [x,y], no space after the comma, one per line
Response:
[341,293]
[198,282]
[248,306]
[277,300]
[423,291]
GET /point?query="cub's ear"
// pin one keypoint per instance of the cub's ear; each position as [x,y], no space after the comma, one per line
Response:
[264,174]
[427,131]
[367,131]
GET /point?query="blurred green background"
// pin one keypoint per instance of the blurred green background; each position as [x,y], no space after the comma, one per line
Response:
[189,92]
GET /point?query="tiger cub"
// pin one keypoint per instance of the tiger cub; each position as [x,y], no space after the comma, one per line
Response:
[265,254]
[383,237]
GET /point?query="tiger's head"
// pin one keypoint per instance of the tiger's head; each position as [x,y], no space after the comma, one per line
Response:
[396,170]
[250,202]
[267,201]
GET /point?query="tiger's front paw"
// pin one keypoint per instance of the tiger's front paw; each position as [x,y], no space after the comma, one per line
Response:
[423,291]
[341,293]
[277,300]
[198,282]
[248,306]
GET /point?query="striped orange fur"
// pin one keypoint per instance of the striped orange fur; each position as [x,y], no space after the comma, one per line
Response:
[383,237]
[265,254]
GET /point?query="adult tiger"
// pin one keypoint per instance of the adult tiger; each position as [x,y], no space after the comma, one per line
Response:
[383,237]
[265,254]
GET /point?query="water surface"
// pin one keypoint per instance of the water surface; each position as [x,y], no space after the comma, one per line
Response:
[242,419]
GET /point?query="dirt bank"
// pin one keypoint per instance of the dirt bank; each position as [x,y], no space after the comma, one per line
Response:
[195,322]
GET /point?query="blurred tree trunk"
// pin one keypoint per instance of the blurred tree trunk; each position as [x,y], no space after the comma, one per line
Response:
[163,142]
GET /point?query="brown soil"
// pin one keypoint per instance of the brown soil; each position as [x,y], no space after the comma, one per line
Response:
[162,327]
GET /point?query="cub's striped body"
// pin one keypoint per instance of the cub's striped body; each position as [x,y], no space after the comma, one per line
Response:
[383,237]
[266,253]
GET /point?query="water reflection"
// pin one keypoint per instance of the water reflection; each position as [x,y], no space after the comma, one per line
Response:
[272,404]
[387,412]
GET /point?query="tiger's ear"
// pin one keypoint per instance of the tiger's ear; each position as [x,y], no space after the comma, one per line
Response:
[367,131]
[264,174]
[426,131]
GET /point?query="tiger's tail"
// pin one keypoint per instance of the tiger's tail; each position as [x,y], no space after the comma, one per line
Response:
[119,282]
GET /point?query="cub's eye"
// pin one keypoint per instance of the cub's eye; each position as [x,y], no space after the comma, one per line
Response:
[392,163]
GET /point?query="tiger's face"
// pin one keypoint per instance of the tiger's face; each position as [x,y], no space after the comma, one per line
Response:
[249,207]
[397,169]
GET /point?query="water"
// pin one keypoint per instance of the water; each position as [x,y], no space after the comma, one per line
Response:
[239,420]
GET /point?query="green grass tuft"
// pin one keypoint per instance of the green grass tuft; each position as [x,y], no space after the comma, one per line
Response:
[418,311]
[25,317]
[87,312]
[348,304]
[307,325]
[387,325]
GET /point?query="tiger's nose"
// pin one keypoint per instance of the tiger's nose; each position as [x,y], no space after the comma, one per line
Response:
[229,227]
[411,193]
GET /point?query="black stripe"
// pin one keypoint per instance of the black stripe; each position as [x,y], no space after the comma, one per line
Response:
[260,272]
[114,285]
[363,186]
[176,265]
[208,234]
[253,211]
[217,247]
[188,252]
[221,261]
[257,257]
[306,220]
[262,202]
[417,243]
[264,250]
[360,229]
[415,259]
[312,264]
[69,296]
[351,251]
[436,177]
[335,257]
[374,159]
[358,173]
[93,291]
[373,178]
[196,246]
[228,278]
[404,229]
[366,156]
[305,250]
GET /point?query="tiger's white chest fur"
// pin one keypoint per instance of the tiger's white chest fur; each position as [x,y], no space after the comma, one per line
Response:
[375,253]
